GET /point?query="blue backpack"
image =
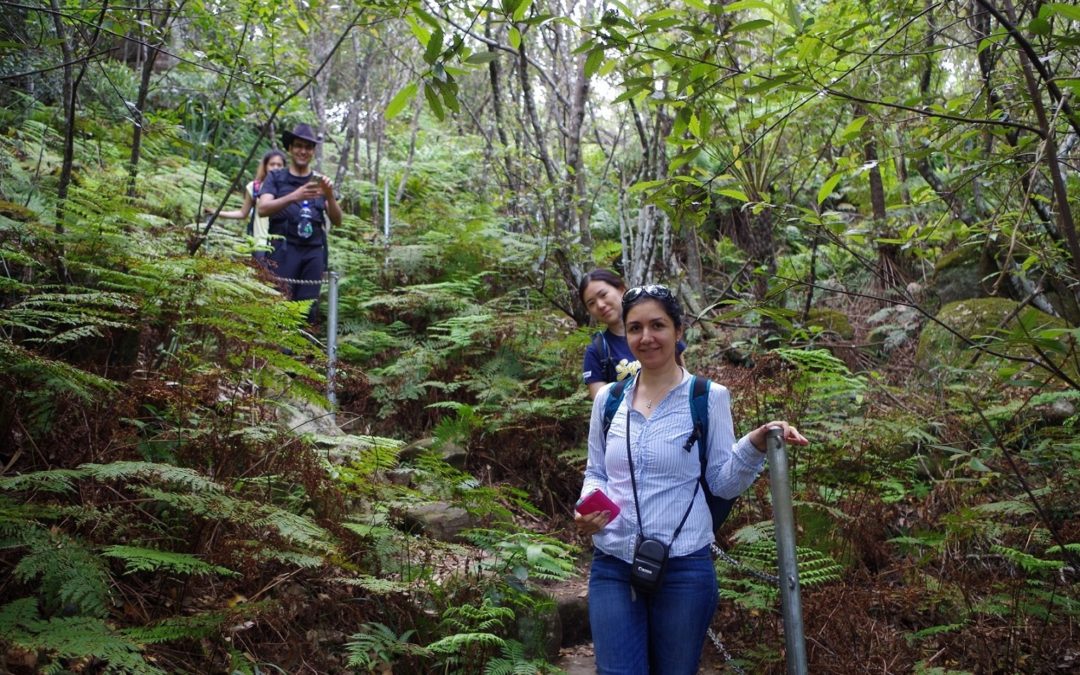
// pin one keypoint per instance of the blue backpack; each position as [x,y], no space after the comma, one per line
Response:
[699,413]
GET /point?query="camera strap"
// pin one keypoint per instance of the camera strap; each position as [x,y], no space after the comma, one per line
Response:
[633,485]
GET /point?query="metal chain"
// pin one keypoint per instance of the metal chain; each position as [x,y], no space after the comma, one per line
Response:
[761,576]
[728,658]
[303,282]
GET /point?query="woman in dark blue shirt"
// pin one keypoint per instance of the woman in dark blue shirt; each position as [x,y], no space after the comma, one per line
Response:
[608,357]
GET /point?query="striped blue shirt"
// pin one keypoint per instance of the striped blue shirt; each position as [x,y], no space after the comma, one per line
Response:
[666,474]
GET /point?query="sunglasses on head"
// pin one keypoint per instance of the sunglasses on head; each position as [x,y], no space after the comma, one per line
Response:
[650,290]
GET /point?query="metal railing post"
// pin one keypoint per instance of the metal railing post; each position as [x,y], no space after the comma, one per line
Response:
[784,521]
[331,342]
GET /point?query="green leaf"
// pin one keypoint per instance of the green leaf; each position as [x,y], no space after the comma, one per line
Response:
[751,25]
[1040,25]
[852,130]
[434,47]
[514,35]
[519,12]
[433,101]
[1070,12]
[480,58]
[423,35]
[828,187]
[400,100]
[734,194]
[593,61]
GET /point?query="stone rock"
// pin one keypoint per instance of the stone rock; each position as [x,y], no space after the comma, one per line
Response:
[574,615]
[307,418]
[1058,412]
[980,317]
[958,275]
[450,452]
[539,628]
[401,477]
[831,321]
[438,520]
[413,451]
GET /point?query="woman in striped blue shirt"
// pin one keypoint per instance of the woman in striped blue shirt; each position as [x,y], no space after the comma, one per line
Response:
[644,466]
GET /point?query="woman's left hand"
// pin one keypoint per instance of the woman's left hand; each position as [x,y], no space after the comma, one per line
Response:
[791,434]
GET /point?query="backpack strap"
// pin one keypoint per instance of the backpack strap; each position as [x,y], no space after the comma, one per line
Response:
[719,507]
[607,366]
[611,406]
[699,416]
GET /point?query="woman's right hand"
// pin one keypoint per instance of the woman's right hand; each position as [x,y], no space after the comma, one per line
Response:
[592,523]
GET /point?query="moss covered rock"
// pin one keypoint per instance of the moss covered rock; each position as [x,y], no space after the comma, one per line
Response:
[958,275]
[16,212]
[980,317]
[830,320]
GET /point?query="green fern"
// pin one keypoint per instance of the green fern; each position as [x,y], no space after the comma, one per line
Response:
[164,473]
[480,619]
[139,559]
[459,643]
[1027,562]
[177,628]
[525,554]
[70,638]
[71,575]
[514,662]
[377,646]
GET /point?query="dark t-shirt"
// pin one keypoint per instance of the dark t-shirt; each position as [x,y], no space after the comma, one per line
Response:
[624,362]
[280,183]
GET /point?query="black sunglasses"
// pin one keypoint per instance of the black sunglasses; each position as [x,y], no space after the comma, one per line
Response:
[651,290]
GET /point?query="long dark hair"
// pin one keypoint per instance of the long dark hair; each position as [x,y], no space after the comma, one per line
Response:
[600,274]
[260,175]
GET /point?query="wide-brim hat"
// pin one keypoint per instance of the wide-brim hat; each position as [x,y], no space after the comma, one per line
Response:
[301,131]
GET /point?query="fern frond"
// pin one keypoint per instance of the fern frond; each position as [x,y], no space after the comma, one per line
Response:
[378,645]
[478,618]
[297,529]
[376,585]
[164,473]
[70,572]
[59,481]
[139,559]
[176,628]
[460,642]
[1026,561]
[514,662]
[72,638]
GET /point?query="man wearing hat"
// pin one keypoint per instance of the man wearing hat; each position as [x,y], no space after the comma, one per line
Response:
[298,203]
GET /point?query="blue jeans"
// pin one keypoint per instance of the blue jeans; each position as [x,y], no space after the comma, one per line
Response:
[661,634]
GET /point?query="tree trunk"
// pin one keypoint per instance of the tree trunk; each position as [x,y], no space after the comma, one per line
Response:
[70,95]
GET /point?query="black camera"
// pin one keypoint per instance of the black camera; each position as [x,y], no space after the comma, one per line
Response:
[647,569]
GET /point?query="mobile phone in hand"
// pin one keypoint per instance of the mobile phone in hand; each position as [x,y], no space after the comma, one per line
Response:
[314,178]
[596,501]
